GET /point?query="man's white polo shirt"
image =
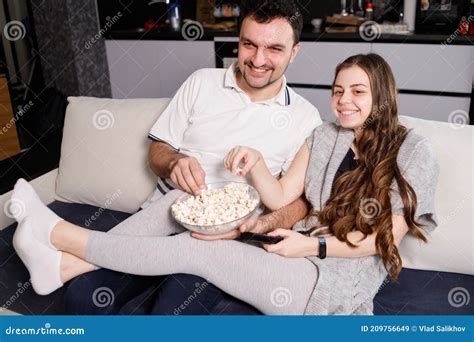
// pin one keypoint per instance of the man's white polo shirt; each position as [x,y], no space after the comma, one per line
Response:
[210,114]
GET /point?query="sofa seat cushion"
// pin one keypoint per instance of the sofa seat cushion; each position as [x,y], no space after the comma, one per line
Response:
[415,293]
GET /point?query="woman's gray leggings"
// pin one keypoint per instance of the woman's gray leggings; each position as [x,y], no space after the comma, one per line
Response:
[140,245]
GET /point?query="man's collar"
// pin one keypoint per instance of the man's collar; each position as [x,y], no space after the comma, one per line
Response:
[283,96]
[230,81]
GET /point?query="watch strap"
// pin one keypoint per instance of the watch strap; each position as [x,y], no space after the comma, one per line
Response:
[322,247]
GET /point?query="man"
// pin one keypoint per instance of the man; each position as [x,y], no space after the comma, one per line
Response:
[212,112]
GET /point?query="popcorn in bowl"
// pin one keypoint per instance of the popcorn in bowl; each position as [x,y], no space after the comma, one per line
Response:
[219,209]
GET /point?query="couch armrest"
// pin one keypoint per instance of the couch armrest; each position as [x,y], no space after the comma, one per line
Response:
[44,185]
[6,312]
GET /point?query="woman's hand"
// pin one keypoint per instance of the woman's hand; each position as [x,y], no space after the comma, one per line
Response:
[294,244]
[247,156]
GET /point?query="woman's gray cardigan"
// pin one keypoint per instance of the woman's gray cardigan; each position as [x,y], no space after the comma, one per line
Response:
[347,286]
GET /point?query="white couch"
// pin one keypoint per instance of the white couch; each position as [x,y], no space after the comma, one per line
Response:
[104,163]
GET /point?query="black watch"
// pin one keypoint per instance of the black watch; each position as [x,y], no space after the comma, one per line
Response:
[322,247]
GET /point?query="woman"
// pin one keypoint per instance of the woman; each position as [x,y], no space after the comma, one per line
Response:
[369,181]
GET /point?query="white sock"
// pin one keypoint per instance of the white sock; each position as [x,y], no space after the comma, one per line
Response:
[28,204]
[42,262]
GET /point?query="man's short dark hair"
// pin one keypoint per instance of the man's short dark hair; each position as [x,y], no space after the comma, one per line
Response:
[264,11]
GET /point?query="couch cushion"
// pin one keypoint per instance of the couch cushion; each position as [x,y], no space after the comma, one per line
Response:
[104,152]
[450,246]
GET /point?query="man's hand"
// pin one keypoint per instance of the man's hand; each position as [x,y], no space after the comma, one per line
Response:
[284,217]
[188,175]
[232,235]
[253,225]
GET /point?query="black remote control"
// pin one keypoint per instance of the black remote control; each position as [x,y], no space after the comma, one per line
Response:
[254,237]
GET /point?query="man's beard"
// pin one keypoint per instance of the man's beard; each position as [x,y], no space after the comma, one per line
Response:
[270,80]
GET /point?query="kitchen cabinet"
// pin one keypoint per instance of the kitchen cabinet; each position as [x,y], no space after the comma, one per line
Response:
[153,68]
[321,99]
[434,79]
[432,107]
[429,67]
[421,106]
[316,62]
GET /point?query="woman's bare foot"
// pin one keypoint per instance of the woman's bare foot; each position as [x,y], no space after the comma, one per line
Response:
[70,238]
[72,266]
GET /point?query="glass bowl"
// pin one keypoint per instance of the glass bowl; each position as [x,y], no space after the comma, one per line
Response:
[224,227]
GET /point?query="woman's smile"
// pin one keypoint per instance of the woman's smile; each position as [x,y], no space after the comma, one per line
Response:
[352,97]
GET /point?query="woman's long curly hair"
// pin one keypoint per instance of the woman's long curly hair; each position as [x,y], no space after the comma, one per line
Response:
[360,199]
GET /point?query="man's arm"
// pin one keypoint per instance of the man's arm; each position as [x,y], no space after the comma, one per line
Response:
[184,171]
[162,158]
[284,217]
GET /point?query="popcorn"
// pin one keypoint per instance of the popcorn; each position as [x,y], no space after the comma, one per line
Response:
[217,206]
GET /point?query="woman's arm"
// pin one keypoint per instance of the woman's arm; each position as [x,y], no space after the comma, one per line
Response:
[296,245]
[274,193]
[366,247]
[278,193]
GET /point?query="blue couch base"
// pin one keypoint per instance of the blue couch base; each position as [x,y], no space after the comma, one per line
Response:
[415,292]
